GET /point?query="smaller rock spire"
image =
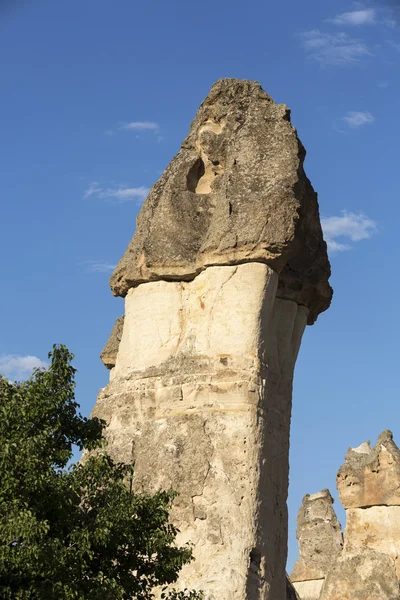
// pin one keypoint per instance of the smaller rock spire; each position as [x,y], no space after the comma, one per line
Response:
[320,541]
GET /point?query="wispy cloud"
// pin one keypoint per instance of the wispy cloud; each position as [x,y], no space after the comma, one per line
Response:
[356,17]
[337,49]
[358,119]
[118,195]
[92,190]
[96,266]
[352,226]
[140,126]
[19,367]
[394,45]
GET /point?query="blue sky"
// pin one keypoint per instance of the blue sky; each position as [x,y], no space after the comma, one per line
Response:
[96,99]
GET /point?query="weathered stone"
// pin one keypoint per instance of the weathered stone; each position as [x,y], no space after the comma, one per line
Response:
[371,476]
[110,350]
[376,527]
[236,192]
[362,575]
[319,535]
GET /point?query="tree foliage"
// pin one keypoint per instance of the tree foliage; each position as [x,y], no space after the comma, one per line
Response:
[78,532]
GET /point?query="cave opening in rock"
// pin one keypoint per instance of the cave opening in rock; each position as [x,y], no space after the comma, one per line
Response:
[196,172]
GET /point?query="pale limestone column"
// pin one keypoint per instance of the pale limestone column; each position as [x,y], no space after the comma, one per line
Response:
[200,399]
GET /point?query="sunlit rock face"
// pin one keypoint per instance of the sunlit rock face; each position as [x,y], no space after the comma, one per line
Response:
[361,575]
[320,541]
[376,527]
[226,268]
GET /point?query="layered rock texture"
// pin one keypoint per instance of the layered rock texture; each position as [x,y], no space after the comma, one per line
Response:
[226,268]
[368,567]
[320,542]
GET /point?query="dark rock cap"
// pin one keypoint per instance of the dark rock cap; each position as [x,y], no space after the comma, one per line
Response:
[236,192]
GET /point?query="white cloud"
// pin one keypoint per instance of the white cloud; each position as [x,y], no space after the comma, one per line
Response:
[140,126]
[353,226]
[356,17]
[119,194]
[92,190]
[337,49]
[357,119]
[18,367]
[95,266]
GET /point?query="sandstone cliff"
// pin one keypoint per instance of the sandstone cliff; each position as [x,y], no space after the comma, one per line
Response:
[226,268]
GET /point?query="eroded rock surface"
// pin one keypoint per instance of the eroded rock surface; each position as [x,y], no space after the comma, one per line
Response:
[236,192]
[225,269]
[376,527]
[319,536]
[362,575]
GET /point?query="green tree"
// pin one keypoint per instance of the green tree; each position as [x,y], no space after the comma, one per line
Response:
[78,532]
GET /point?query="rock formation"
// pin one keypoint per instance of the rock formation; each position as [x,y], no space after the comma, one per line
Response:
[320,541]
[368,567]
[226,267]
[369,489]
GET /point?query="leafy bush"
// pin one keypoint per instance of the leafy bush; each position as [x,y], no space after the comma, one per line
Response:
[78,532]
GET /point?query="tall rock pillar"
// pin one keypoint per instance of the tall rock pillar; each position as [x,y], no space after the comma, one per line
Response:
[226,268]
